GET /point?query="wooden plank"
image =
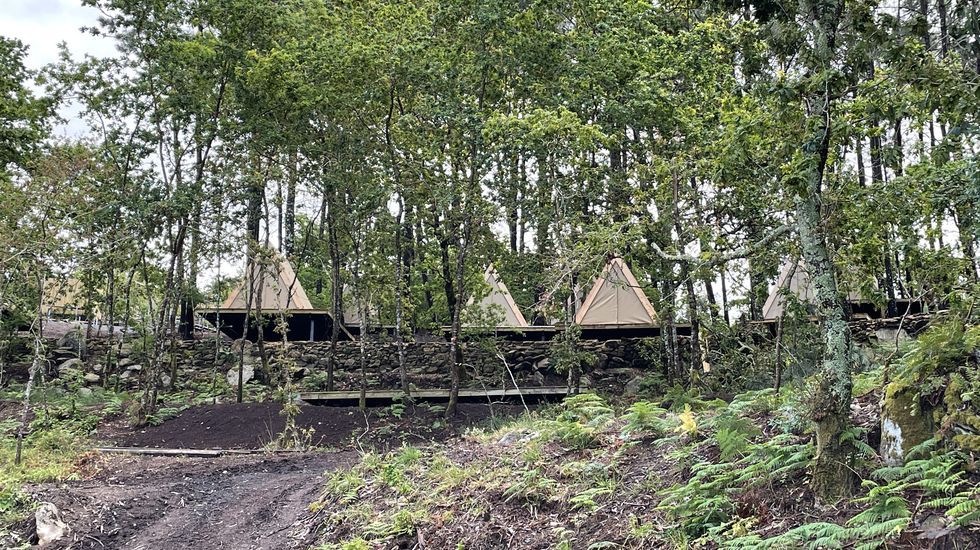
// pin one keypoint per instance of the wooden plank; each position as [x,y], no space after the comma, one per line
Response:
[161,452]
[208,453]
[438,393]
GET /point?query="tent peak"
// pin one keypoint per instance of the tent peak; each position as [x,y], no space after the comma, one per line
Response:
[275,282]
[501,297]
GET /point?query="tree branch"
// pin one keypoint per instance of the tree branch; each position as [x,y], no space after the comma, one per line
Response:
[717,260]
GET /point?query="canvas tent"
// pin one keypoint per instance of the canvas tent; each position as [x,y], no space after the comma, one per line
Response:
[500,301]
[616,299]
[794,279]
[276,285]
[275,288]
[65,298]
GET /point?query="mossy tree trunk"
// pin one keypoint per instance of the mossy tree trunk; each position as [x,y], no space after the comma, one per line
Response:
[833,477]
[832,474]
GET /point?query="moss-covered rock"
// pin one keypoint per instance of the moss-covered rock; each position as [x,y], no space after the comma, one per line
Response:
[904,424]
[932,392]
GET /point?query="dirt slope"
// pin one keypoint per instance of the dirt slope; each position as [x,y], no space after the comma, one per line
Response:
[253,425]
[237,502]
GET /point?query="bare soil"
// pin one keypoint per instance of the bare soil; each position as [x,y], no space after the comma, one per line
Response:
[255,501]
[234,502]
[254,425]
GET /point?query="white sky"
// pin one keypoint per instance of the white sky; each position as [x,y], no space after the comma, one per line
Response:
[42,25]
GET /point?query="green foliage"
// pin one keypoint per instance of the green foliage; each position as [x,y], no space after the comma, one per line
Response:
[586,408]
[588,499]
[646,419]
[581,419]
[532,487]
[933,477]
[733,435]
[705,502]
[566,352]
[49,454]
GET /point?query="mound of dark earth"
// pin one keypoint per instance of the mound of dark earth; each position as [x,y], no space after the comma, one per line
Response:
[254,425]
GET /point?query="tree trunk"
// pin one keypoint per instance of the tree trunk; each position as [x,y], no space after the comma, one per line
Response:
[336,289]
[833,477]
[37,327]
[362,346]
[399,296]
[289,216]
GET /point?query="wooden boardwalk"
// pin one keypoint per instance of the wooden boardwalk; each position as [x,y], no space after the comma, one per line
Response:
[435,394]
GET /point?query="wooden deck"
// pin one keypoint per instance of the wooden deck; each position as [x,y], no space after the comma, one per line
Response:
[435,394]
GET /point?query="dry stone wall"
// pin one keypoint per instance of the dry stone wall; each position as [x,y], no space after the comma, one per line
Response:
[617,362]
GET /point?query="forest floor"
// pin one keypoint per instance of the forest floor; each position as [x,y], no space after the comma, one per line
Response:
[242,501]
[684,471]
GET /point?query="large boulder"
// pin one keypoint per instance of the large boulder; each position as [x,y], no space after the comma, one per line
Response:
[70,365]
[50,527]
[92,378]
[904,423]
[248,372]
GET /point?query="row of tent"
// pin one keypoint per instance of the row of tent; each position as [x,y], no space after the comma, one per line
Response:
[615,299]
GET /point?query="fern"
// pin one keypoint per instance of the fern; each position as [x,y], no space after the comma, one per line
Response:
[588,498]
[854,436]
[533,487]
[937,477]
[689,424]
[646,418]
[586,408]
[704,503]
[733,435]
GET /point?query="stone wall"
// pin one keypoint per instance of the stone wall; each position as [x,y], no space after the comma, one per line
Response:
[617,362]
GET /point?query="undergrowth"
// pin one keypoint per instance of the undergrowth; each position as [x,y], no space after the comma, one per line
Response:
[56,438]
[682,472]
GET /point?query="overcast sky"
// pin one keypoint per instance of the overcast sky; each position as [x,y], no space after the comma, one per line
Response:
[41,25]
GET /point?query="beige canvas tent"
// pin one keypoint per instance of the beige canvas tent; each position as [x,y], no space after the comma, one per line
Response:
[500,299]
[616,299]
[795,280]
[277,285]
[65,298]
[277,289]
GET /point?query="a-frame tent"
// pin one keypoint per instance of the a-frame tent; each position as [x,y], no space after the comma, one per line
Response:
[65,298]
[794,279]
[616,299]
[499,298]
[274,288]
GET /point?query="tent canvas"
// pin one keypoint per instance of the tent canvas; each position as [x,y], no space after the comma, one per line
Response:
[500,296]
[280,289]
[796,280]
[616,299]
[65,297]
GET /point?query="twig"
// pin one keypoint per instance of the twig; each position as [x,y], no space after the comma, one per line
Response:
[512,379]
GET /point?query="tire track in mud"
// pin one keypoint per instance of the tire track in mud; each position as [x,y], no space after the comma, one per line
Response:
[236,502]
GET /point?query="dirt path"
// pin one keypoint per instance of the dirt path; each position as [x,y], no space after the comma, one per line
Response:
[241,502]
[238,502]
